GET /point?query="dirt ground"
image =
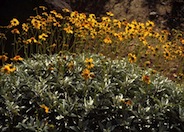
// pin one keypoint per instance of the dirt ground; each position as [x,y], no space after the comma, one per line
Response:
[165,13]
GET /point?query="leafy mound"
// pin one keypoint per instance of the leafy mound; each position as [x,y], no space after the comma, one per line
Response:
[70,92]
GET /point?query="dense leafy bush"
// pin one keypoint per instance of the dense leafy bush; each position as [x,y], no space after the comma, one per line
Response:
[87,92]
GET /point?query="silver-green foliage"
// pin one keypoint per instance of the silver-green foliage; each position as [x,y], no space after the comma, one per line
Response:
[99,103]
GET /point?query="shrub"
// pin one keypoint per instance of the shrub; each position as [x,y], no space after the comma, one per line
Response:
[87,92]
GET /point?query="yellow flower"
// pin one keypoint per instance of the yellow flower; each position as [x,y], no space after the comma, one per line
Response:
[117,23]
[107,40]
[43,8]
[31,40]
[146,79]
[110,14]
[45,108]
[74,14]
[153,71]
[43,36]
[45,14]
[127,102]
[106,19]
[3,58]
[89,63]
[57,24]
[167,55]
[92,16]
[65,10]
[36,23]
[124,22]
[53,12]
[119,36]
[150,24]
[68,29]
[162,38]
[88,60]
[17,58]
[129,28]
[71,65]
[140,26]
[147,63]
[132,58]
[15,31]
[58,15]
[86,74]
[144,41]
[14,22]
[8,69]
[25,27]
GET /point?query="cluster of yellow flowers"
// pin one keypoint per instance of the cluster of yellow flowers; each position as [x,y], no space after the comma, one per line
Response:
[8,68]
[141,42]
[86,73]
[146,79]
[104,30]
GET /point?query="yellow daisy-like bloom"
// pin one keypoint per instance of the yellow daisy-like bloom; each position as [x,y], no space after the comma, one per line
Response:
[107,40]
[89,63]
[146,79]
[31,40]
[129,28]
[36,23]
[15,31]
[71,65]
[110,14]
[57,24]
[132,58]
[3,58]
[45,14]
[43,36]
[147,63]
[65,10]
[106,19]
[92,16]
[127,102]
[119,36]
[8,69]
[167,55]
[153,71]
[58,15]
[43,8]
[45,108]
[117,23]
[86,74]
[25,27]
[88,60]
[14,22]
[68,29]
[17,58]
[53,12]
[150,24]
